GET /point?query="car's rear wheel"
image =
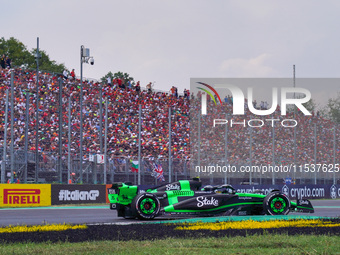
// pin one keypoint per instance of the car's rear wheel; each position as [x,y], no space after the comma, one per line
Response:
[276,203]
[145,206]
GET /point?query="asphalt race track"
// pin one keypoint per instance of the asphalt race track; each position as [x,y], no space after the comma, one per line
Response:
[103,215]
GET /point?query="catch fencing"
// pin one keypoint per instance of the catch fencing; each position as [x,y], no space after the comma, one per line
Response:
[43,143]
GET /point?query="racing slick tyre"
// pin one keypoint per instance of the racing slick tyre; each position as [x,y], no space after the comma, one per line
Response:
[145,206]
[276,203]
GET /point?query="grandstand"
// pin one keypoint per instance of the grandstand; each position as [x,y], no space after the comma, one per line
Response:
[122,139]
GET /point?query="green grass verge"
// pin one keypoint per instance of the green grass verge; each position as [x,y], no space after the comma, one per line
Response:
[256,244]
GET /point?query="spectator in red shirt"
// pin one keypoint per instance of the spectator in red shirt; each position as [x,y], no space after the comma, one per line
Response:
[73,75]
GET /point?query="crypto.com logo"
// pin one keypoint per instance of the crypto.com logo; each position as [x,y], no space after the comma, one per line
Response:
[238,99]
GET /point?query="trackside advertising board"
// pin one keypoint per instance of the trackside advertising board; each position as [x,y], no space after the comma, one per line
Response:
[308,191]
[25,195]
[107,195]
[78,194]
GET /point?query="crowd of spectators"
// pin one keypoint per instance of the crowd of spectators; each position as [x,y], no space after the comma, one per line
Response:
[123,111]
[5,62]
[123,108]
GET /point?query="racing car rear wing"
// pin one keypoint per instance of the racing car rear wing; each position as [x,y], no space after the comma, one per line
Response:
[304,205]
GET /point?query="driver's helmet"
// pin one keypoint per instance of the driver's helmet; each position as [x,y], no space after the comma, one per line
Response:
[228,188]
[208,188]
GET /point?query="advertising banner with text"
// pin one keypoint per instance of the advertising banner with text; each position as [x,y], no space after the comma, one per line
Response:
[78,194]
[309,191]
[25,195]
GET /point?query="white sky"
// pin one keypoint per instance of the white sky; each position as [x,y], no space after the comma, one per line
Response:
[171,41]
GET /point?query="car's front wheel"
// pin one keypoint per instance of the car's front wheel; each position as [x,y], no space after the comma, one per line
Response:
[276,203]
[145,206]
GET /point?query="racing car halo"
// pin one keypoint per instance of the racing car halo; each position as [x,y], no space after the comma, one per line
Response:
[187,197]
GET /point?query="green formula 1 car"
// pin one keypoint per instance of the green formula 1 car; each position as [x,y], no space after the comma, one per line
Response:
[187,197]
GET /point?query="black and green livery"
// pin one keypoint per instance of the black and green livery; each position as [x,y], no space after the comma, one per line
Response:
[187,197]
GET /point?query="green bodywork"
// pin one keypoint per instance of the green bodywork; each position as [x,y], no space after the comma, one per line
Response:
[127,193]
[170,207]
[124,194]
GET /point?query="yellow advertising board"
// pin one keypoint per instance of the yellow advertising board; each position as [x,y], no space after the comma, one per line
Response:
[25,195]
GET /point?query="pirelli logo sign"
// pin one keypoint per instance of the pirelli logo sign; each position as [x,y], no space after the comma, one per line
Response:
[21,196]
[25,195]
